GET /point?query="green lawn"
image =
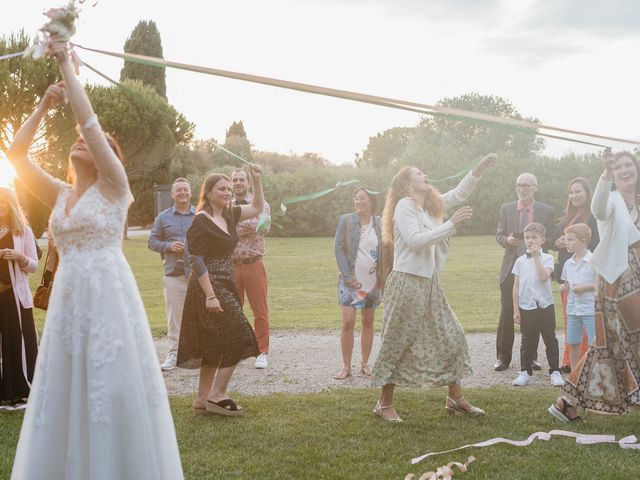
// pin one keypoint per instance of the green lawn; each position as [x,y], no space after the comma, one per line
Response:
[334,435]
[303,278]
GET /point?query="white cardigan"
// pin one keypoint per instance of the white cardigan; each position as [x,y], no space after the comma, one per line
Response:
[420,241]
[617,232]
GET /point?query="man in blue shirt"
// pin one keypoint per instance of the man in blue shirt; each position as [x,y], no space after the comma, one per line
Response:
[168,237]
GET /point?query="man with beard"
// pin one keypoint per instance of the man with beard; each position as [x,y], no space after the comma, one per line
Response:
[168,237]
[514,216]
[248,267]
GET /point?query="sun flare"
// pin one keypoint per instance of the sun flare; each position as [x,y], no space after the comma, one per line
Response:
[7,173]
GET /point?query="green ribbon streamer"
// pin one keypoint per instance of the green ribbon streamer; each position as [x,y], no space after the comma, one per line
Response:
[313,196]
[229,152]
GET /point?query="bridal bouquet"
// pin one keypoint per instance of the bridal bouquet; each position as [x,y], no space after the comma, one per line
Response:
[61,25]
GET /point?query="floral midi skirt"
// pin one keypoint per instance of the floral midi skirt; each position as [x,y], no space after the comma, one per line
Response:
[423,342]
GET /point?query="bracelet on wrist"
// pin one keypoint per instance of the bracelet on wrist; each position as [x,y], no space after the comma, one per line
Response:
[211,297]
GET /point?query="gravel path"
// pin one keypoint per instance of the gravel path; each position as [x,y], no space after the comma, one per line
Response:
[305,362]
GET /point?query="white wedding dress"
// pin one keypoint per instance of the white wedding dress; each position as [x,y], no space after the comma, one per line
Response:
[98,407]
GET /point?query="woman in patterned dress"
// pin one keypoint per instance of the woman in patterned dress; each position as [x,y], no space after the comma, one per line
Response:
[357,248]
[607,378]
[215,334]
[422,341]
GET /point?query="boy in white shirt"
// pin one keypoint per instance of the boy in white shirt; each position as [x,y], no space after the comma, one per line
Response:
[579,279]
[534,301]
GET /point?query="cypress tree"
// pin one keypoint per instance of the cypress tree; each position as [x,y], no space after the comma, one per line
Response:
[145,40]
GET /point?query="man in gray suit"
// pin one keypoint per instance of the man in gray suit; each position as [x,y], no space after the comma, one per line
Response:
[514,216]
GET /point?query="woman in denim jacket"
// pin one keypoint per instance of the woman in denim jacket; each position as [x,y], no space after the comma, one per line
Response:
[357,249]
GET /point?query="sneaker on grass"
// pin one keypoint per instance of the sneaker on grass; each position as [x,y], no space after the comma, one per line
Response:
[169,362]
[556,379]
[262,361]
[523,379]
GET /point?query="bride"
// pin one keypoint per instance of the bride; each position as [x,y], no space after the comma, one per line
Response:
[98,407]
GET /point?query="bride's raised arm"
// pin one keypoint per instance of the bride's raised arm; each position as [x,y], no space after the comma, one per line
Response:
[39,182]
[112,178]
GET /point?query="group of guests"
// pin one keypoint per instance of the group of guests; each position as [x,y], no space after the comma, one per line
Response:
[222,242]
[422,340]
[527,226]
[97,372]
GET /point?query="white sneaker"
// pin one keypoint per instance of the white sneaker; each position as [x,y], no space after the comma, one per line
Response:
[169,362]
[261,360]
[523,379]
[556,379]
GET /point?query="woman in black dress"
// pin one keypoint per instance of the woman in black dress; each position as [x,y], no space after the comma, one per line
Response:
[19,341]
[215,334]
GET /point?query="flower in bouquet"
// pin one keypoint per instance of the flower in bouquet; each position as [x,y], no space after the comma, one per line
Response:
[61,26]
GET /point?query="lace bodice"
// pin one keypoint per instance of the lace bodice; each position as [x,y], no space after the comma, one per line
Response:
[94,223]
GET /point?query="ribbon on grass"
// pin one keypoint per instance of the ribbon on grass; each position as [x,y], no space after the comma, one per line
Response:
[12,55]
[629,442]
[444,472]
[13,408]
[360,97]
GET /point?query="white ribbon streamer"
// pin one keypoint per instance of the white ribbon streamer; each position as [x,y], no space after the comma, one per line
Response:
[22,406]
[12,55]
[629,442]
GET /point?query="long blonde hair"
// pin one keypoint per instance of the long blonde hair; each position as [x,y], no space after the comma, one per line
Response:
[401,188]
[17,220]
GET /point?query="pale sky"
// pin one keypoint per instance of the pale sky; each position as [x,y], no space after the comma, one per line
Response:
[569,63]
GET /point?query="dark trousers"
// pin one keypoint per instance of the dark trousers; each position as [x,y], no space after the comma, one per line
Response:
[13,385]
[533,324]
[505,335]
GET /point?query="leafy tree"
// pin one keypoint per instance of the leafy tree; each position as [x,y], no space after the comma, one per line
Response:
[386,148]
[145,40]
[22,84]
[194,159]
[149,131]
[280,162]
[235,141]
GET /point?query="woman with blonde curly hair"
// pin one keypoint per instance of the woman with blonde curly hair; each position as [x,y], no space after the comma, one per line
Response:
[422,341]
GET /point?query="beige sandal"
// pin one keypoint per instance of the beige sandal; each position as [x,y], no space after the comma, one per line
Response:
[452,406]
[379,411]
[343,374]
[365,370]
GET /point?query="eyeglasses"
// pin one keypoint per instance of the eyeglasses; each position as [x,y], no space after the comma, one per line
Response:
[523,185]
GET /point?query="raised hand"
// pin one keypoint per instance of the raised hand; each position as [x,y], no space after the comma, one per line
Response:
[59,49]
[487,162]
[461,215]
[54,95]
[256,172]
[608,161]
